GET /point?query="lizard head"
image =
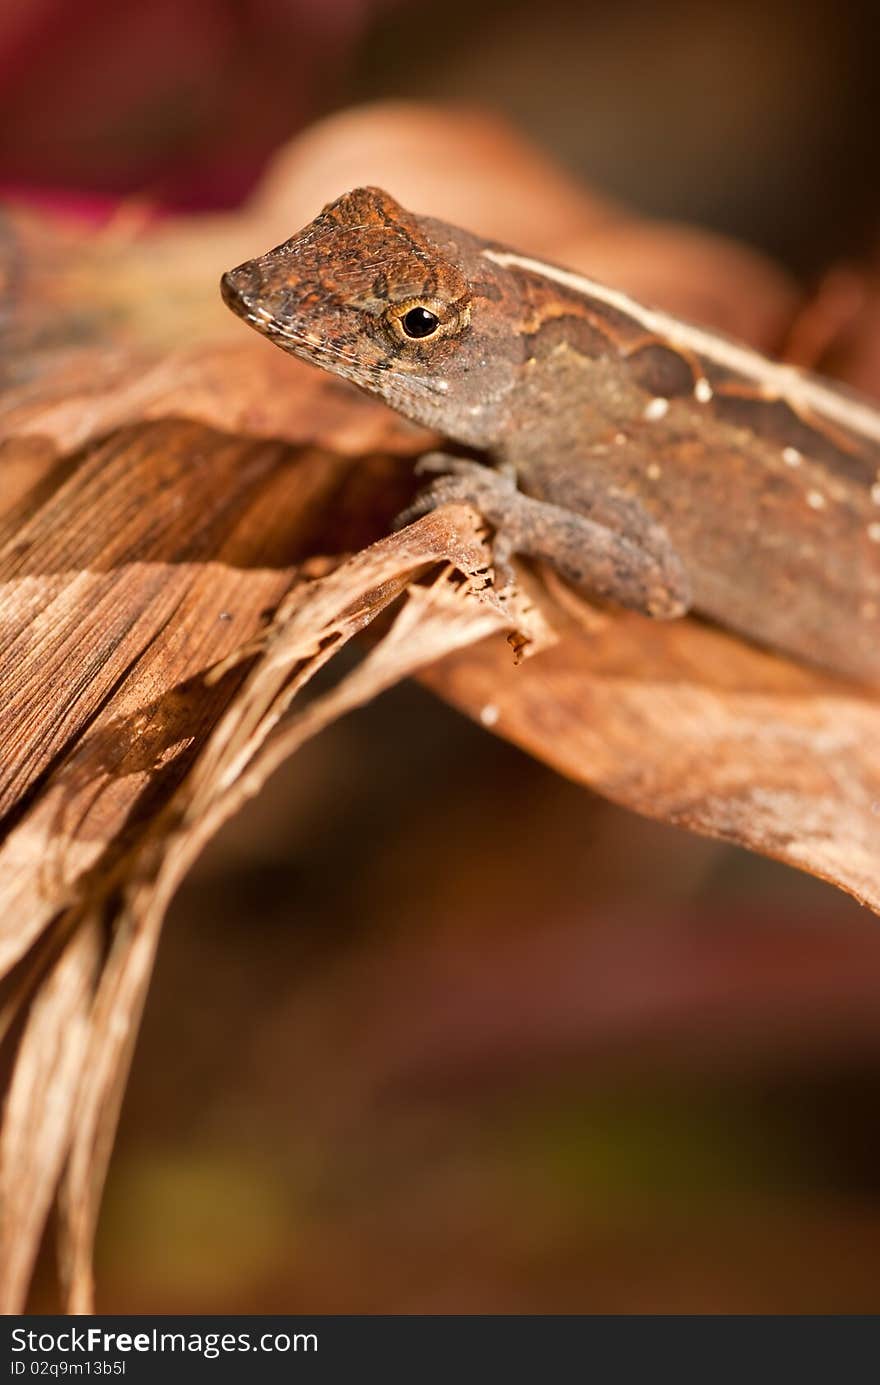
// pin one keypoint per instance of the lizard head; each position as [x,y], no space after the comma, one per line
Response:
[405,307]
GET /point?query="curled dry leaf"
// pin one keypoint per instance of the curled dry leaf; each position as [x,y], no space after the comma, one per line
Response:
[159,518]
[132,580]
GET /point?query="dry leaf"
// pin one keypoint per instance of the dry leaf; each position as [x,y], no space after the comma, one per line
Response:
[686,723]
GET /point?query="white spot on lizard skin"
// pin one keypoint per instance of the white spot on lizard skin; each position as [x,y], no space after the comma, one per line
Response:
[620,439]
[653,472]
[489,714]
[874,533]
[702,390]
[442,385]
[816,501]
[656,409]
[791,456]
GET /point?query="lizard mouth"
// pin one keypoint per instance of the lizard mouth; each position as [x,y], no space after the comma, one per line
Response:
[243,290]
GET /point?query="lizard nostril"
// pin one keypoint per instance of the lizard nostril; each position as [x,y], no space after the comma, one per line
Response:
[241,286]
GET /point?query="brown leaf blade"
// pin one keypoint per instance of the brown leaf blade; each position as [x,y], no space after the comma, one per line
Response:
[131,883]
[685,723]
[40,1107]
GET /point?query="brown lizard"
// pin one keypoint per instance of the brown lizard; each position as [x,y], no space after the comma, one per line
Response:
[651,461]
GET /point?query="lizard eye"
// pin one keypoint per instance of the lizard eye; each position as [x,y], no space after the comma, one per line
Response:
[419,322]
[424,320]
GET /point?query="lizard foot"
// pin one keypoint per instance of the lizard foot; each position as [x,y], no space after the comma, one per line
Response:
[491,491]
[640,571]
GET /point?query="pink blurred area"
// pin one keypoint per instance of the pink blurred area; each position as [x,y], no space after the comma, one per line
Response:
[178,102]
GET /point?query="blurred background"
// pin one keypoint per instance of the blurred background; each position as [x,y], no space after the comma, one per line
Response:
[433,1029]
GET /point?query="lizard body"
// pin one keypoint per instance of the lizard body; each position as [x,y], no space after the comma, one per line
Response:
[654,462]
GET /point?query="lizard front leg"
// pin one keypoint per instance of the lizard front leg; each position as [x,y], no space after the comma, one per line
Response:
[632,563]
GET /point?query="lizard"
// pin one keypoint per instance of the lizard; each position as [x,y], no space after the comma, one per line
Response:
[653,462]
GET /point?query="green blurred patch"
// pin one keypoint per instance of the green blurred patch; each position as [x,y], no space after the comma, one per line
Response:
[196,1221]
[622,1157]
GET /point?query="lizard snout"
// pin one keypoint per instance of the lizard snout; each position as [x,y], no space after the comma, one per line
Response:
[241,287]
